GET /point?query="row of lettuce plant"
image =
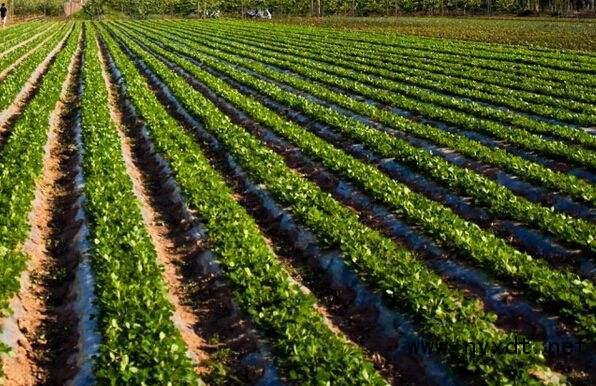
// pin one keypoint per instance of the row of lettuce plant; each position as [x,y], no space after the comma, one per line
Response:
[567,68]
[496,97]
[15,30]
[15,34]
[563,62]
[538,73]
[140,344]
[574,295]
[536,81]
[499,199]
[302,344]
[7,60]
[573,186]
[16,80]
[498,52]
[443,314]
[571,96]
[21,164]
[453,111]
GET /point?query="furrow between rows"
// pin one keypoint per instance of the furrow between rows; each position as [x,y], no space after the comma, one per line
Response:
[50,332]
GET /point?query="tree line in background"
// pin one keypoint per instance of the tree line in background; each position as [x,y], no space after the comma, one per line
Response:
[35,7]
[142,8]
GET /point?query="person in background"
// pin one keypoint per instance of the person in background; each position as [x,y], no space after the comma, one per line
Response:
[3,12]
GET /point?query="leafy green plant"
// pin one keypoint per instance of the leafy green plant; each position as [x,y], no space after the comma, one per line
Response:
[489,193]
[565,110]
[16,52]
[441,52]
[574,96]
[16,80]
[430,104]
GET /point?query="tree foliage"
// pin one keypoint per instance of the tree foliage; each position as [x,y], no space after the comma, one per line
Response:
[144,8]
[392,7]
[36,7]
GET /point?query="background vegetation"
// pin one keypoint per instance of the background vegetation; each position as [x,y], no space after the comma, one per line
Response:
[36,7]
[314,7]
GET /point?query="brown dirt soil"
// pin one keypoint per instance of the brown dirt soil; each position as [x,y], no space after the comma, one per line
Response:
[48,326]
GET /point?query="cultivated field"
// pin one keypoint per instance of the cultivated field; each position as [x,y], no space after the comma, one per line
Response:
[243,203]
[547,32]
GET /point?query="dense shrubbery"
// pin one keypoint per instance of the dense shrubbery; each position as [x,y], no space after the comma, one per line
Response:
[38,7]
[143,8]
[392,7]
[94,8]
